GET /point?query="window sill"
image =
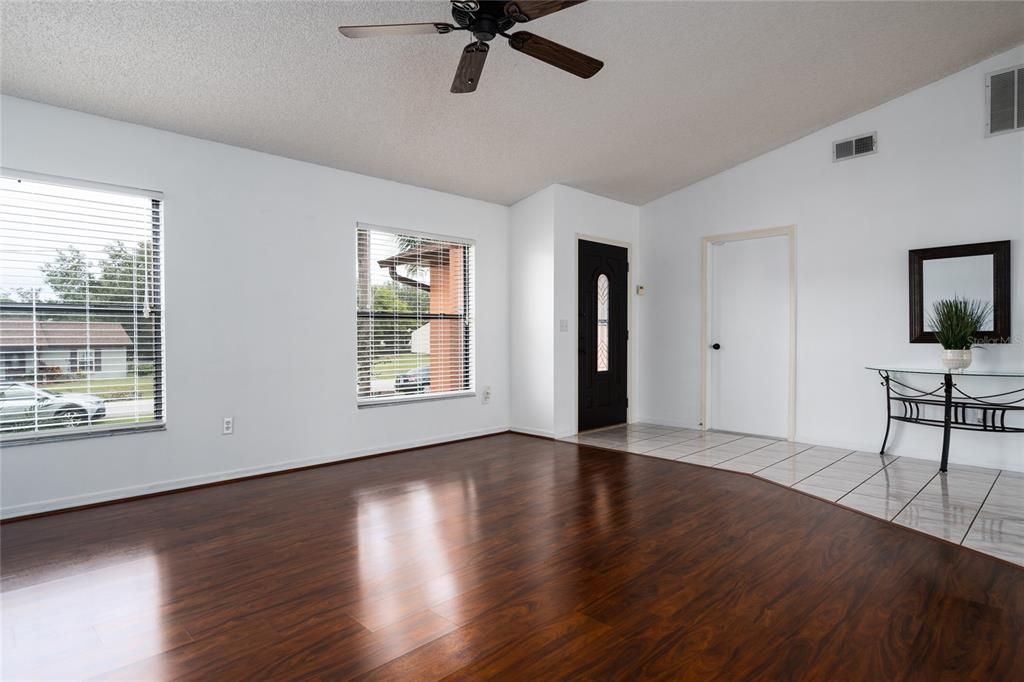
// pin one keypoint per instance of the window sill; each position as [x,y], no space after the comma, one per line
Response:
[405,400]
[98,433]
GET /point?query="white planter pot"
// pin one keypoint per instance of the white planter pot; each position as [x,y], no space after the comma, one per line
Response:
[956,359]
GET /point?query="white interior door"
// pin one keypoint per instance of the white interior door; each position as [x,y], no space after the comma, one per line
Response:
[749,322]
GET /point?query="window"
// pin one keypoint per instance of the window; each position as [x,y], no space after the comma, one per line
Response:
[81,315]
[85,360]
[414,316]
[602,323]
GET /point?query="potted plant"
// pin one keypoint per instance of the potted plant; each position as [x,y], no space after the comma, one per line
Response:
[955,321]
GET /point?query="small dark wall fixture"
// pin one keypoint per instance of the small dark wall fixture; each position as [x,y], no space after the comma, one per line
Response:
[980,271]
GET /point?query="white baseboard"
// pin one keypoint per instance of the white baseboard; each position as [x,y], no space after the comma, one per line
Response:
[531,432]
[674,423]
[55,504]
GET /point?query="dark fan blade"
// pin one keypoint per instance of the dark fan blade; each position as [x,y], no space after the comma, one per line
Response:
[554,54]
[528,10]
[381,30]
[470,66]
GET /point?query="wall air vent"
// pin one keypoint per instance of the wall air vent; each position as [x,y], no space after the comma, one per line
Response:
[853,147]
[1004,99]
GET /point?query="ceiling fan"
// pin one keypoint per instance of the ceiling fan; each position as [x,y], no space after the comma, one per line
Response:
[485,19]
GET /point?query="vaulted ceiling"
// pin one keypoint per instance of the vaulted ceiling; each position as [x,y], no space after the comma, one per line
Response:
[689,88]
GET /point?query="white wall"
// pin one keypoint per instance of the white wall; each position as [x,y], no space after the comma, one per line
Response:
[936,180]
[260,260]
[531,305]
[579,214]
[543,233]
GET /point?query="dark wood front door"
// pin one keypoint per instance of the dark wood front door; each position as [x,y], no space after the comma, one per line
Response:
[603,296]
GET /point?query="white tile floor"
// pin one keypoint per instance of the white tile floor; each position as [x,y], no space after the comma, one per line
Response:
[975,507]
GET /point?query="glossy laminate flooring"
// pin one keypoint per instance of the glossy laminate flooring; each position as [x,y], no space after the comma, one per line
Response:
[973,506]
[506,557]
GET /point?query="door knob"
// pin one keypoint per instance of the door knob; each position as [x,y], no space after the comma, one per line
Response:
[716,346]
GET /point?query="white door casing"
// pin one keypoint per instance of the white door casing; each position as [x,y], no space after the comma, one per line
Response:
[749,309]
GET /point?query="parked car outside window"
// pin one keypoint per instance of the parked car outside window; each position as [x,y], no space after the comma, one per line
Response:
[24,405]
[414,381]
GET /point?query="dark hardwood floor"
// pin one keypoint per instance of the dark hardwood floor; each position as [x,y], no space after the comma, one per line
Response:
[504,557]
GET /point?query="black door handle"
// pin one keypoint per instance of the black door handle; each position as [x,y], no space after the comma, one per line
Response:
[716,346]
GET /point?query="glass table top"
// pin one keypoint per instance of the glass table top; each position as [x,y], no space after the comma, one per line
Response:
[941,370]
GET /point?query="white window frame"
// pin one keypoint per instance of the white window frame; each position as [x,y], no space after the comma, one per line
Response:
[470,316]
[160,369]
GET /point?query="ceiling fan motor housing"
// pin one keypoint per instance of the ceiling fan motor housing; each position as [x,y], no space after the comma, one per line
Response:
[486,22]
[484,28]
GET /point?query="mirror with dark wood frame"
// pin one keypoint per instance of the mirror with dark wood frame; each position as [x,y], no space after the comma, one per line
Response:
[975,271]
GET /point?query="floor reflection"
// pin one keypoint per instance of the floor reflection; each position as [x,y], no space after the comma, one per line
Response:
[424,546]
[400,532]
[82,625]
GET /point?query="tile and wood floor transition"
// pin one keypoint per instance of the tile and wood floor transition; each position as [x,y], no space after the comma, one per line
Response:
[976,507]
[505,557]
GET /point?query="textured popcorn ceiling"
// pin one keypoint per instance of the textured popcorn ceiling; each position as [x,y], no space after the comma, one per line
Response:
[688,90]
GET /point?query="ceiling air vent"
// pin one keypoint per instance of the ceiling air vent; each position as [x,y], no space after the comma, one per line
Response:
[1004,95]
[855,146]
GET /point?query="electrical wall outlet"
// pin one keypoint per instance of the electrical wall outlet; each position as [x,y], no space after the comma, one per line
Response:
[229,426]
[486,395]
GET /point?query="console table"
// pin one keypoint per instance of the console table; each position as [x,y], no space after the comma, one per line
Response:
[989,411]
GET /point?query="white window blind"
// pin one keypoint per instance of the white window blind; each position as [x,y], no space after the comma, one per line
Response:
[414,316]
[81,314]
